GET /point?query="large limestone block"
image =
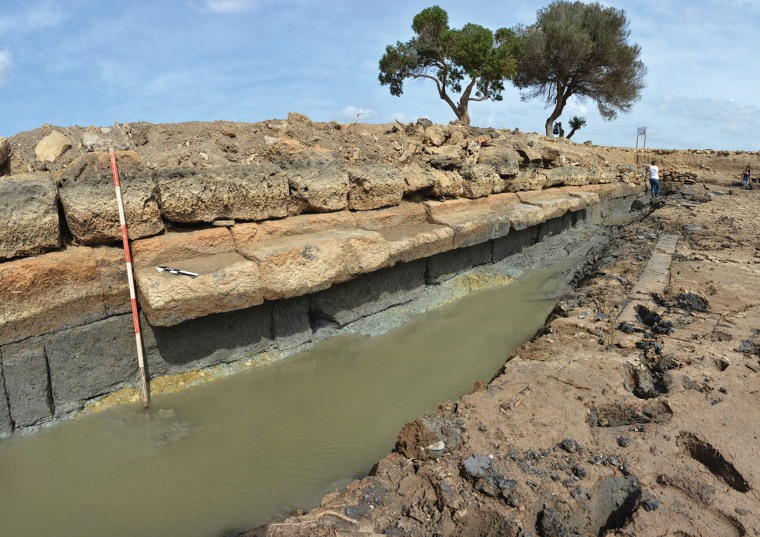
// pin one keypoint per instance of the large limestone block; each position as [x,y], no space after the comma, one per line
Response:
[60,290]
[91,360]
[300,264]
[589,198]
[520,215]
[555,202]
[29,213]
[26,382]
[477,181]
[89,201]
[446,184]
[374,186]
[566,175]
[241,192]
[52,146]
[226,282]
[503,158]
[471,223]
[416,178]
[608,191]
[178,245]
[318,189]
[407,231]
[295,225]
[526,180]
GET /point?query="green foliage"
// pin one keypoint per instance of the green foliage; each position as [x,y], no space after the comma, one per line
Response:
[576,123]
[580,49]
[473,62]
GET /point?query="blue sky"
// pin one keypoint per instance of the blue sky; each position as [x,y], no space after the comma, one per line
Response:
[90,62]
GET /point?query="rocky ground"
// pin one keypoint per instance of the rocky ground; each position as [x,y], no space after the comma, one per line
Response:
[633,412]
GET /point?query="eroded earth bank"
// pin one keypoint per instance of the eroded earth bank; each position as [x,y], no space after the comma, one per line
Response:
[633,412]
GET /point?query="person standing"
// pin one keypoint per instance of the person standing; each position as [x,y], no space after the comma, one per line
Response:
[745,177]
[654,179]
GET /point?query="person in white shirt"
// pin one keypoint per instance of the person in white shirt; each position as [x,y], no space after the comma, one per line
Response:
[654,178]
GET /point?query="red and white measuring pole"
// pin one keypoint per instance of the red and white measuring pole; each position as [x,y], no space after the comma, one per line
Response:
[130,277]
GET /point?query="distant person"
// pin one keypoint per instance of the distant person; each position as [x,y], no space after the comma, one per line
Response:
[654,179]
[745,177]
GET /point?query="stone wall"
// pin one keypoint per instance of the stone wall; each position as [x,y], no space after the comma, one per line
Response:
[282,251]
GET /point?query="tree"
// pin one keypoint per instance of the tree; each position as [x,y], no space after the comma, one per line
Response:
[576,123]
[580,50]
[473,62]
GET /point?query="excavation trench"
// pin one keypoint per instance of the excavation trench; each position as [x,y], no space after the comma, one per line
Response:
[247,448]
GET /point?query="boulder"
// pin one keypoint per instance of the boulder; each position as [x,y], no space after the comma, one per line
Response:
[5,152]
[416,178]
[478,180]
[504,159]
[566,175]
[318,189]
[237,192]
[526,180]
[102,139]
[29,212]
[89,202]
[374,186]
[71,288]
[52,146]
[446,184]
[435,135]
[448,157]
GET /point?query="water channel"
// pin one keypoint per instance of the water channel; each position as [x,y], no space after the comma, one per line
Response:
[236,452]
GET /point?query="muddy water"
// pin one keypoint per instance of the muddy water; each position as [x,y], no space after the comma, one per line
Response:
[234,453]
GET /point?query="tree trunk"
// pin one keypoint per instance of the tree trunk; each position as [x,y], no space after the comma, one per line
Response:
[464,117]
[571,133]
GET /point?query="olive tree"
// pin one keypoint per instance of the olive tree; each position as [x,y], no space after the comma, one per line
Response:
[466,65]
[581,50]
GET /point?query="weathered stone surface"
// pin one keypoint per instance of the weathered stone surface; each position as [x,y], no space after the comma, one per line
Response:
[208,341]
[416,178]
[478,180]
[529,155]
[318,189]
[89,202]
[296,265]
[26,382]
[520,215]
[60,290]
[566,175]
[446,184]
[226,282]
[528,180]
[448,157]
[179,245]
[374,186]
[378,291]
[29,213]
[6,425]
[295,225]
[446,265]
[102,139]
[52,146]
[407,231]
[91,360]
[435,135]
[291,324]
[555,201]
[504,159]
[471,224]
[242,192]
[513,243]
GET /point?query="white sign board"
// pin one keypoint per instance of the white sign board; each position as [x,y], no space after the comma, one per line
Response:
[641,131]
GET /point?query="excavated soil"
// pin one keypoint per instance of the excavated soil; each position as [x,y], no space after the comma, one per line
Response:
[633,412]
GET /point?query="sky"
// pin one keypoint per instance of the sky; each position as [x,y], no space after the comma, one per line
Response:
[93,62]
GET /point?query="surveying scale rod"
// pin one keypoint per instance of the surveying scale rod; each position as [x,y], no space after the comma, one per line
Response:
[130,277]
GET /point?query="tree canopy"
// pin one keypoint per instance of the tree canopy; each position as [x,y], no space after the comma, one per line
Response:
[466,65]
[581,50]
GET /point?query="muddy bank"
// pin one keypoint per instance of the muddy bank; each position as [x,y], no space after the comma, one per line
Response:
[634,411]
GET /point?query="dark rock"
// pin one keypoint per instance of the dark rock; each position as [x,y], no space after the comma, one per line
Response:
[650,504]
[476,466]
[623,441]
[26,382]
[570,445]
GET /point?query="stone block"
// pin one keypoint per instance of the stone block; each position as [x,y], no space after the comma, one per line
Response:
[26,382]
[374,186]
[179,245]
[472,223]
[6,425]
[444,266]
[208,341]
[52,146]
[299,264]
[317,189]
[240,193]
[91,360]
[349,301]
[29,213]
[566,175]
[555,226]
[61,290]
[527,180]
[520,215]
[407,243]
[89,203]
[291,324]
[504,159]
[555,202]
[226,282]
[477,181]
[416,178]
[293,226]
[446,184]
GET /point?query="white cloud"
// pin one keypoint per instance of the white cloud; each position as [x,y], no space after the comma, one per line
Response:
[231,6]
[38,16]
[5,66]
[354,113]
